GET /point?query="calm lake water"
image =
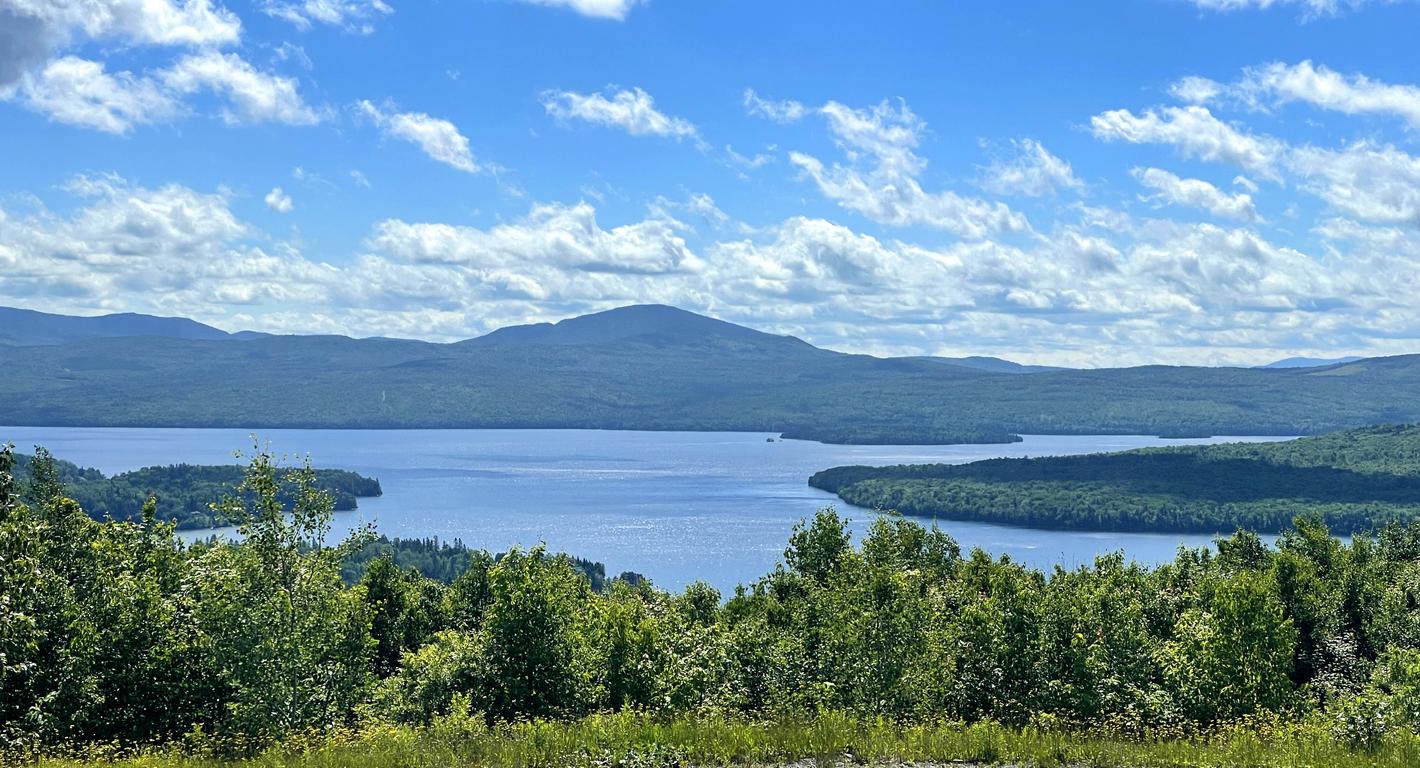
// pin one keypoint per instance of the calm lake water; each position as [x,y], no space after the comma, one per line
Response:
[675,506]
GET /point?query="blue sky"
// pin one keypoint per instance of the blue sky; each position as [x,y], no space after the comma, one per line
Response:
[1179,181]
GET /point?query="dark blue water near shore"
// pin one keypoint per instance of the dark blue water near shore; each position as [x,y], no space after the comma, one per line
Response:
[676,506]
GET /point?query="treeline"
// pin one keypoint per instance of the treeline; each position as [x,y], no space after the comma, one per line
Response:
[116,633]
[185,492]
[1357,480]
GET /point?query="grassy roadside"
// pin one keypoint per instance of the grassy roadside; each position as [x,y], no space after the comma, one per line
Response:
[642,742]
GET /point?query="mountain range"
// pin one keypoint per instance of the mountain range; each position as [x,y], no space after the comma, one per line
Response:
[647,367]
[27,327]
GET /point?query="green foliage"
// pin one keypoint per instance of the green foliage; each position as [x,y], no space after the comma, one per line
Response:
[1232,657]
[286,643]
[1354,481]
[535,637]
[94,645]
[115,633]
[816,550]
[405,609]
[630,654]
[431,680]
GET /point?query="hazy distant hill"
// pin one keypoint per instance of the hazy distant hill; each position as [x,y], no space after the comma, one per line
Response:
[1310,362]
[993,364]
[27,327]
[652,367]
[654,324]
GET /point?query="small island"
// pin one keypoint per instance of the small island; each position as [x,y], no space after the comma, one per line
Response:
[1356,480]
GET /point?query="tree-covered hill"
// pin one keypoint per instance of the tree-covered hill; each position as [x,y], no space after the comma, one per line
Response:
[185,492]
[1355,480]
[661,368]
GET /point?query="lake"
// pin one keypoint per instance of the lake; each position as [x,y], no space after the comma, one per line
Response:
[675,506]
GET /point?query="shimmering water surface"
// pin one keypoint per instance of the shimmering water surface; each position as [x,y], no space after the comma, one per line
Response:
[675,506]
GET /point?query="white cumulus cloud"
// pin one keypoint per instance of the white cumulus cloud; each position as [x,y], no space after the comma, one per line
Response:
[1171,189]
[880,179]
[566,236]
[31,30]
[438,138]
[1370,181]
[1278,83]
[1376,183]
[1196,90]
[633,111]
[252,96]
[1195,132]
[600,9]
[80,92]
[279,201]
[353,15]
[1310,8]
[783,111]
[83,93]
[1035,172]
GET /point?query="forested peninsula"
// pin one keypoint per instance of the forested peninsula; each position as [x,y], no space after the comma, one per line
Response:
[448,561]
[1355,480]
[185,493]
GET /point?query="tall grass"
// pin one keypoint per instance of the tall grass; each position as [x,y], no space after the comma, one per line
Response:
[637,741]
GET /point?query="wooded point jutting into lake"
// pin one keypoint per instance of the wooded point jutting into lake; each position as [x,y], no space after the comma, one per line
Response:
[1353,481]
[655,384]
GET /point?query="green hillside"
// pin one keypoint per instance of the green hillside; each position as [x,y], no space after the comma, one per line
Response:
[1355,480]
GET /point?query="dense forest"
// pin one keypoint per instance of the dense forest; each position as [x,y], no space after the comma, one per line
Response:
[660,368]
[1353,481]
[117,634]
[185,492]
